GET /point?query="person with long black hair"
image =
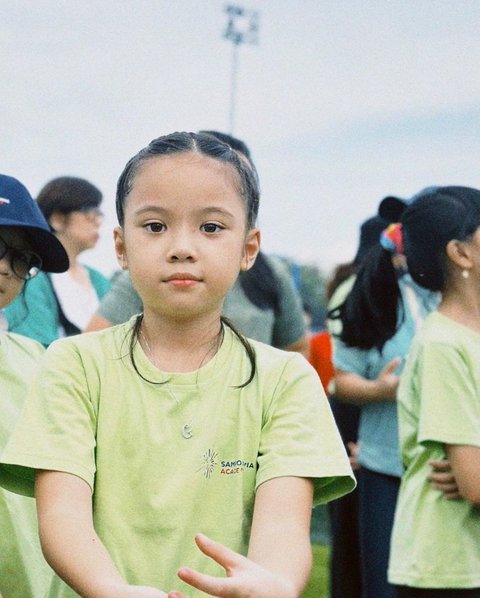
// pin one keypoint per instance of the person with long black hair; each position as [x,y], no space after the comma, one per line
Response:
[378,325]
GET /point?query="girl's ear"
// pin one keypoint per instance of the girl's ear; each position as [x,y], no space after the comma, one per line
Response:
[458,253]
[57,221]
[250,249]
[120,247]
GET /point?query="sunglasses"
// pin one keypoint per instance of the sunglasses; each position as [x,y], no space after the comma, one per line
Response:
[25,264]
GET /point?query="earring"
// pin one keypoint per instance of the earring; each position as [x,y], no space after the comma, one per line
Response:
[465,274]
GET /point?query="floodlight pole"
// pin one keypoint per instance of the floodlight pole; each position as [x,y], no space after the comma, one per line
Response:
[233,86]
[238,35]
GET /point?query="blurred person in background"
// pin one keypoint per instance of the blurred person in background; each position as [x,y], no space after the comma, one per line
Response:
[27,247]
[378,326]
[435,549]
[345,567]
[56,305]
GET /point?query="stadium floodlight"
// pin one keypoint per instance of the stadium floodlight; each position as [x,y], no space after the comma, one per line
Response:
[242,28]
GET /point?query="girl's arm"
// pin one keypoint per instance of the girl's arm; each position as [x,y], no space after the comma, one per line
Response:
[302,345]
[69,541]
[465,463]
[353,388]
[279,556]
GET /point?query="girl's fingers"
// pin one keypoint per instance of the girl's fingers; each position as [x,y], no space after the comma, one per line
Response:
[206,583]
[225,557]
[392,366]
[440,465]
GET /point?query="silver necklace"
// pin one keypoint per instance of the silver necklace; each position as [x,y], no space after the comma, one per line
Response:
[187,428]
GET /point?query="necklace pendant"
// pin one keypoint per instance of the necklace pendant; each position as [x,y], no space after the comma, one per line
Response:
[187,431]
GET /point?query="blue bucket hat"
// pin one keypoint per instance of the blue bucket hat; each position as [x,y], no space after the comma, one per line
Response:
[17,208]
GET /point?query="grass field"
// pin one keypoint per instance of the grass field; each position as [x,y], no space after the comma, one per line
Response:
[318,584]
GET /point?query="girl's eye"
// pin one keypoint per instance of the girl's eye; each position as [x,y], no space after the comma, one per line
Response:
[211,227]
[155,227]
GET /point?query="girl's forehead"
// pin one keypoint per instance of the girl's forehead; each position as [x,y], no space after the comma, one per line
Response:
[186,168]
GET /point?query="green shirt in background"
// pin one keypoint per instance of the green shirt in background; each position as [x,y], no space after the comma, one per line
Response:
[90,413]
[23,570]
[34,313]
[436,542]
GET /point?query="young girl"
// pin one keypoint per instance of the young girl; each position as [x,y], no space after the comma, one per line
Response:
[26,246]
[436,542]
[147,433]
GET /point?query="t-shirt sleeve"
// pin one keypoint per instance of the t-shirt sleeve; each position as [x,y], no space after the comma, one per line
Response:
[350,359]
[289,324]
[56,430]
[299,436]
[121,302]
[449,397]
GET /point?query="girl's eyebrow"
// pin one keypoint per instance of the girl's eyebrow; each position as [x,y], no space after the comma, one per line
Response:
[215,210]
[150,208]
[203,212]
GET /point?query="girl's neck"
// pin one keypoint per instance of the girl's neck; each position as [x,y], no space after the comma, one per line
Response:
[70,248]
[462,306]
[180,346]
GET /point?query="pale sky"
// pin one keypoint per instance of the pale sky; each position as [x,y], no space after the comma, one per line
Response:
[341,102]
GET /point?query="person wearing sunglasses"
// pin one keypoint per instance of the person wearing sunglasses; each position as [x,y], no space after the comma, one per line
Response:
[27,249]
[61,304]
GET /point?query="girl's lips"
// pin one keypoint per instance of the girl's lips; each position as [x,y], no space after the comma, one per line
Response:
[182,282]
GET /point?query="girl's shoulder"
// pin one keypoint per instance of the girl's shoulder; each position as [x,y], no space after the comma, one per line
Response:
[439,328]
[21,345]
[112,341]
[272,361]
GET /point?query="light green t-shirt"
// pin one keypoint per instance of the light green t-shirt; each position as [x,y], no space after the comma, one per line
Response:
[436,542]
[90,414]
[23,570]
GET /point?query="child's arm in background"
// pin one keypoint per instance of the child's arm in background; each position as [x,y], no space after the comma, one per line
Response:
[355,389]
[465,464]
[279,555]
[69,541]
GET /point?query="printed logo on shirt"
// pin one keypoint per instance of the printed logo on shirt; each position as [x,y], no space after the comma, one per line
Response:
[235,467]
[3,201]
[210,462]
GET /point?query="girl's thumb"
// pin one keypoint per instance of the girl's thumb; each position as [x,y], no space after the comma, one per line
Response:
[392,366]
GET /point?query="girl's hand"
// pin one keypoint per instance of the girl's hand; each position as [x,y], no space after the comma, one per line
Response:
[388,381]
[353,449]
[244,577]
[442,479]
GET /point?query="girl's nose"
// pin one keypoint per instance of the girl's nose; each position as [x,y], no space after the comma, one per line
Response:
[182,247]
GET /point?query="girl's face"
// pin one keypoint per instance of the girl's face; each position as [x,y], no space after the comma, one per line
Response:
[10,283]
[79,230]
[185,237]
